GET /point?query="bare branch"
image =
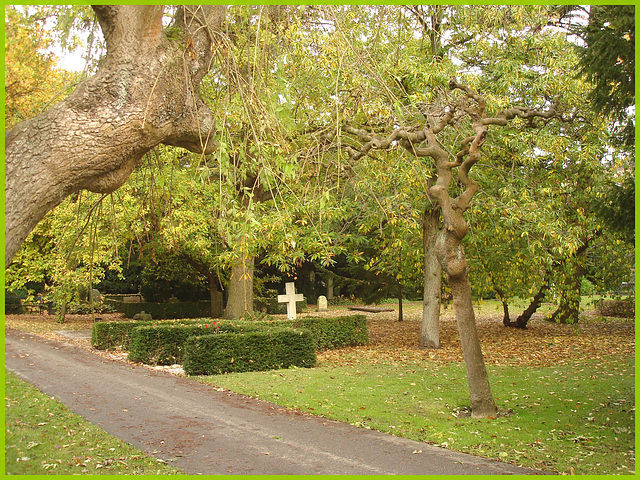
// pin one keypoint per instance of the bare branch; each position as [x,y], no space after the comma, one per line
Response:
[524,113]
[453,85]
[466,157]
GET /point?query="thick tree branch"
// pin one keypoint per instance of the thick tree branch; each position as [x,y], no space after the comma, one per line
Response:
[145,93]
[128,28]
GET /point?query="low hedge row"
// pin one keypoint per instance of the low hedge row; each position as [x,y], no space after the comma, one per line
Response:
[164,343]
[336,332]
[109,335]
[258,350]
[330,332]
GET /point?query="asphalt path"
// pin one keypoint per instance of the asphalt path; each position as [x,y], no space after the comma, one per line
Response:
[202,430]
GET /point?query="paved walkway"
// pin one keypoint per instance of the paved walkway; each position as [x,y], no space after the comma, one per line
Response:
[205,431]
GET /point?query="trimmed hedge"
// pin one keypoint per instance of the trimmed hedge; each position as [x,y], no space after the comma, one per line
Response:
[13,301]
[107,335]
[250,351]
[330,332]
[162,343]
[336,332]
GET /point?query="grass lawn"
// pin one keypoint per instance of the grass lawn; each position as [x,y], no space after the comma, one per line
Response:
[42,436]
[572,418]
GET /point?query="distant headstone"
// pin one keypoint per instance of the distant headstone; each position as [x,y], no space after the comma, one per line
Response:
[322,303]
[96,297]
[290,298]
[131,299]
[145,317]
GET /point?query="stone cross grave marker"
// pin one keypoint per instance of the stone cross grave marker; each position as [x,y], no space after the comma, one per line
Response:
[322,303]
[290,298]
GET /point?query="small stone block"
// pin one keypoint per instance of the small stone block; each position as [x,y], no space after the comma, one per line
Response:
[322,303]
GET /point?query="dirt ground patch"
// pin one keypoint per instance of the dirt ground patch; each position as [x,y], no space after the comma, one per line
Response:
[543,343]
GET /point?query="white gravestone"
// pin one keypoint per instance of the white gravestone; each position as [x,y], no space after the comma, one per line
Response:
[290,298]
[322,303]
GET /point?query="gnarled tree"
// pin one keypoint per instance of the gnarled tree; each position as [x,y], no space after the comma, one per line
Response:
[144,93]
[470,107]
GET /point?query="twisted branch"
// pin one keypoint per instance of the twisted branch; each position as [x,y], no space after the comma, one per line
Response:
[423,143]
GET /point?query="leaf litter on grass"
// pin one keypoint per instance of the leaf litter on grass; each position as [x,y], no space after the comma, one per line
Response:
[542,344]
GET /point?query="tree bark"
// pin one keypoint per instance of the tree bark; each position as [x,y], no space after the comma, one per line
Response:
[240,294]
[432,284]
[454,263]
[400,314]
[505,311]
[523,320]
[482,403]
[506,319]
[145,93]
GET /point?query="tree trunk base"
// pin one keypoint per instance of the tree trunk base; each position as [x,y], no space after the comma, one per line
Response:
[521,323]
[489,414]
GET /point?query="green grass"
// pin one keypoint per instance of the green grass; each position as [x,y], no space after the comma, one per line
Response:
[42,436]
[576,417]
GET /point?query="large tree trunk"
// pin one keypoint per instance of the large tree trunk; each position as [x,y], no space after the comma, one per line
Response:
[145,93]
[482,403]
[240,295]
[432,284]
[454,263]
